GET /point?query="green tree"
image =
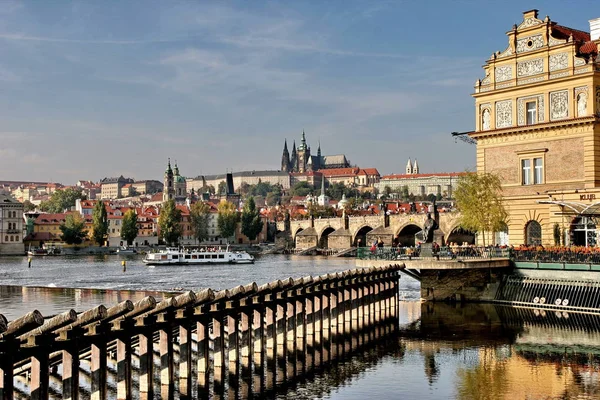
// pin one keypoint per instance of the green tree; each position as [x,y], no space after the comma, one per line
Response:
[99,223]
[199,215]
[28,206]
[302,189]
[479,199]
[222,189]
[169,223]
[73,229]
[129,228]
[62,200]
[227,219]
[252,224]
[404,192]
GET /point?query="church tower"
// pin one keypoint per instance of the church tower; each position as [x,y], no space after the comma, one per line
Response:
[179,186]
[294,159]
[169,189]
[415,168]
[285,158]
[409,169]
[303,154]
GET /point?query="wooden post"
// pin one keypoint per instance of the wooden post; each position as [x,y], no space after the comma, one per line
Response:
[185,359]
[165,347]
[204,356]
[40,375]
[99,369]
[6,378]
[124,366]
[146,351]
[70,375]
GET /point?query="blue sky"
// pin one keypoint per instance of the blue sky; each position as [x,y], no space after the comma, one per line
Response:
[93,89]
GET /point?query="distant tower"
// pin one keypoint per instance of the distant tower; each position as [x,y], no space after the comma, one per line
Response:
[415,168]
[179,185]
[169,188]
[319,158]
[323,199]
[303,154]
[285,158]
[409,169]
[294,159]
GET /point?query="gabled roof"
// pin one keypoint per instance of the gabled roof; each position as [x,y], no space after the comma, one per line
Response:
[335,159]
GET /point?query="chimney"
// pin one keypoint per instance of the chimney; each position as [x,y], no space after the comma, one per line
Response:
[595,29]
[530,14]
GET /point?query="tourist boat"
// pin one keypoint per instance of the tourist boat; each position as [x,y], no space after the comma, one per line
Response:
[44,251]
[175,256]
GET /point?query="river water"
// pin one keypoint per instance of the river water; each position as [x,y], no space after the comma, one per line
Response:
[440,351]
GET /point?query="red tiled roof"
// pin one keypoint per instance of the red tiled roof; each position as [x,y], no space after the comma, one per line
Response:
[340,172]
[589,48]
[563,32]
[371,171]
[409,176]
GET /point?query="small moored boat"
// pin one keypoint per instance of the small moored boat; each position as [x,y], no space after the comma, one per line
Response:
[175,256]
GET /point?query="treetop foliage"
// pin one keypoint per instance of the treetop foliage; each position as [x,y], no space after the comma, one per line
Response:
[479,199]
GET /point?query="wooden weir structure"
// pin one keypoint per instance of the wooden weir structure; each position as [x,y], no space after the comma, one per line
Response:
[243,342]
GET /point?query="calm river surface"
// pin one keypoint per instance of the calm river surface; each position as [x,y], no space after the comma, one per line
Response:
[440,351]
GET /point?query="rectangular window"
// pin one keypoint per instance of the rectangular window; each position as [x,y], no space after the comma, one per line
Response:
[531,109]
[538,172]
[526,172]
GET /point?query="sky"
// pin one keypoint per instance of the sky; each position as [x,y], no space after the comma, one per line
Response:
[92,89]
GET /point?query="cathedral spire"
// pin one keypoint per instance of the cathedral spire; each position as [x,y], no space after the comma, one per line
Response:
[415,169]
[176,170]
[319,149]
[409,169]
[285,158]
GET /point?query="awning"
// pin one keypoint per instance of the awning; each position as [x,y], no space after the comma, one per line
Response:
[578,208]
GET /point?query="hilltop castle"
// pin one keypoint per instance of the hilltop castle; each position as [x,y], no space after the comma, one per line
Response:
[302,161]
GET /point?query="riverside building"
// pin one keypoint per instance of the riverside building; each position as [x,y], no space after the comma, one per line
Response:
[537,127]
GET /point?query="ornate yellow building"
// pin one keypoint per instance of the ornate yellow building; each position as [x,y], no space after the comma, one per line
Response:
[537,127]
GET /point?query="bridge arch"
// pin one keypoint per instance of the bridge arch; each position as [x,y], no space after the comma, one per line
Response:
[361,233]
[406,234]
[458,235]
[324,237]
[296,232]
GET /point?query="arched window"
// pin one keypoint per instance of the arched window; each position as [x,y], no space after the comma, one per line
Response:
[6,238]
[12,238]
[533,233]
[17,238]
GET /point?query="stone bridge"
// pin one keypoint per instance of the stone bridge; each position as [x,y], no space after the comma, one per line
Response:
[341,233]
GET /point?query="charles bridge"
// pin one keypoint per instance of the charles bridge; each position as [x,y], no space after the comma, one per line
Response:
[345,232]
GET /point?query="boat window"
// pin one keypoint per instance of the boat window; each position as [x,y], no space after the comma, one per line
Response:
[201,256]
[187,257]
[175,256]
[163,257]
[213,256]
[194,257]
[221,255]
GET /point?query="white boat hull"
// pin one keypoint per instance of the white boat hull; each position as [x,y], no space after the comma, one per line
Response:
[177,257]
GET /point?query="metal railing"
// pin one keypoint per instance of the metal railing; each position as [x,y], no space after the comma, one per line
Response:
[440,253]
[575,255]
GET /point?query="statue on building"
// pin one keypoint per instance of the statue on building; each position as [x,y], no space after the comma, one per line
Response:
[428,228]
[487,124]
[581,105]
